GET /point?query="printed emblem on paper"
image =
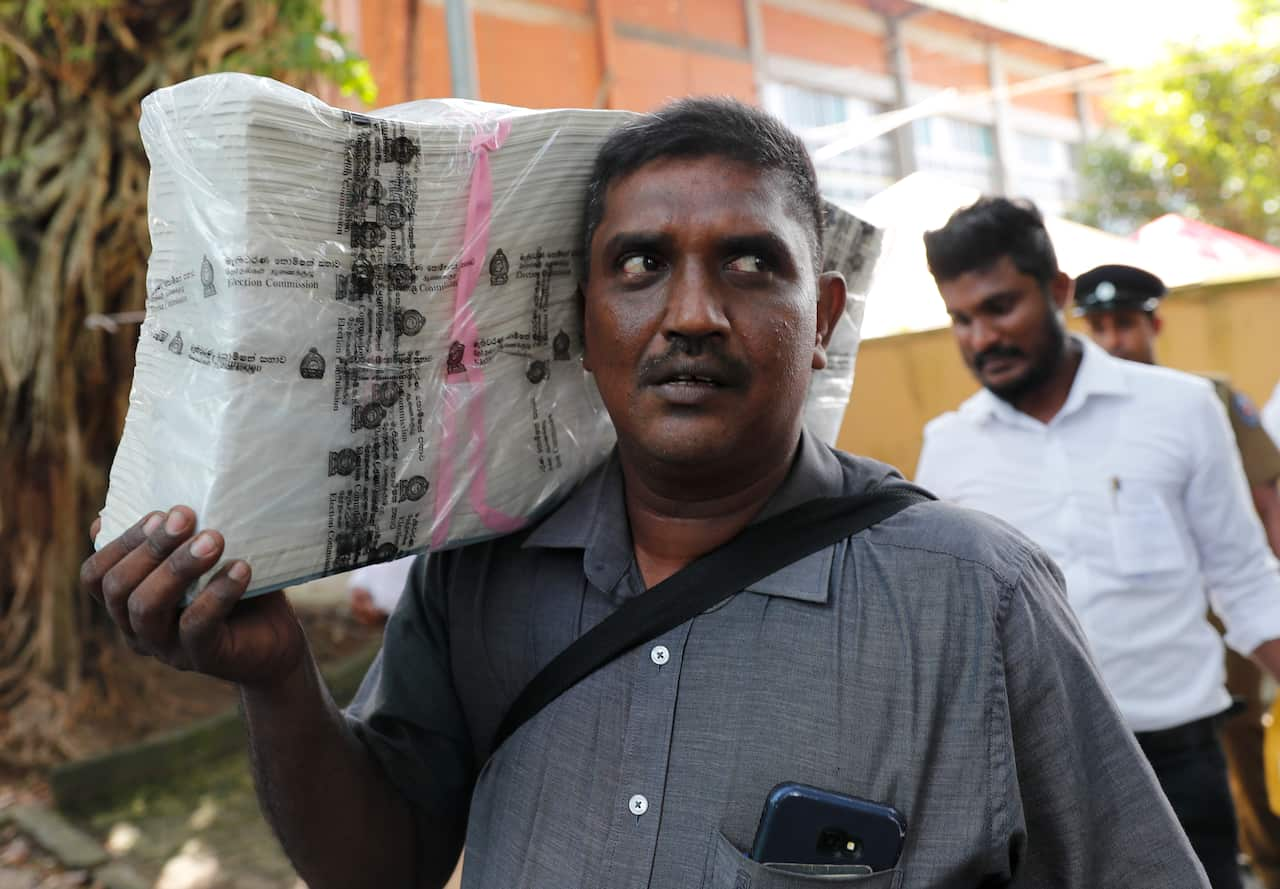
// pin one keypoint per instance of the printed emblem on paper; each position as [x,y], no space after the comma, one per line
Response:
[387,392]
[560,346]
[371,415]
[343,462]
[410,323]
[311,367]
[394,215]
[402,150]
[455,365]
[206,277]
[414,488]
[400,276]
[499,266]
[367,234]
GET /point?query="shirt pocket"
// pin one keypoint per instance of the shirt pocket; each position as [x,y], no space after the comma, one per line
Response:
[1145,538]
[729,868]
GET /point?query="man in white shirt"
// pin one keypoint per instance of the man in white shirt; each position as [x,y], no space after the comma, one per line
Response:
[1121,305]
[1128,475]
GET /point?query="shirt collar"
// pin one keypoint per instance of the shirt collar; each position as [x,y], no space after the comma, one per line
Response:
[594,519]
[1099,374]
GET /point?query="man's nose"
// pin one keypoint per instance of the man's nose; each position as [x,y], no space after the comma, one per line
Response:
[982,335]
[694,307]
[1106,337]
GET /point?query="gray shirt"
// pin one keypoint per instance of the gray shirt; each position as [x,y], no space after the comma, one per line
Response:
[930,663]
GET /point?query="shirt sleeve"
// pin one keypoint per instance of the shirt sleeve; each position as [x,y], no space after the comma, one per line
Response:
[1239,570]
[408,715]
[930,469]
[1092,813]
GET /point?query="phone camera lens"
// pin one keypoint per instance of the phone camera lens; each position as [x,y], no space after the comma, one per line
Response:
[837,844]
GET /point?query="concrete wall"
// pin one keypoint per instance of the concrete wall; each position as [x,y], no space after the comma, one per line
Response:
[904,381]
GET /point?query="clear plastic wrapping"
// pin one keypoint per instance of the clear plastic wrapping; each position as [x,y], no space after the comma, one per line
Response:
[363,332]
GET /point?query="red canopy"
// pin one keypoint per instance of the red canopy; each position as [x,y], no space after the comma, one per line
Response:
[1178,235]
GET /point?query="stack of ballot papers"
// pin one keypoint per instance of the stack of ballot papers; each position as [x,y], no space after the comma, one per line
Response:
[363,332]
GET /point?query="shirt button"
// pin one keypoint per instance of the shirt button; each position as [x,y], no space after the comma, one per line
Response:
[638,805]
[659,654]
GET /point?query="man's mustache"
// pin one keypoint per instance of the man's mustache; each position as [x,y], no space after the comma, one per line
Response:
[980,360]
[706,363]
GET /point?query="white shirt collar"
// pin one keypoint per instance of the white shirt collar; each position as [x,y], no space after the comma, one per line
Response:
[1099,374]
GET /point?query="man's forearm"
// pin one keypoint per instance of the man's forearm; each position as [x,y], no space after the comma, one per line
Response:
[1268,657]
[338,819]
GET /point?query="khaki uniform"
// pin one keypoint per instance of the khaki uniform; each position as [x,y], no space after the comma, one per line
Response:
[1254,787]
[1260,455]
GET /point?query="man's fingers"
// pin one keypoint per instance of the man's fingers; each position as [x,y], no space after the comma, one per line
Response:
[153,605]
[97,526]
[126,575]
[204,621]
[97,565]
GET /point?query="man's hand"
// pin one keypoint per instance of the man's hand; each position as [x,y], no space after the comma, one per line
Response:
[141,576]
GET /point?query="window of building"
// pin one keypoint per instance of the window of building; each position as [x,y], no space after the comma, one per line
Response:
[958,150]
[1045,171]
[1039,151]
[804,108]
[972,138]
[855,174]
[922,132]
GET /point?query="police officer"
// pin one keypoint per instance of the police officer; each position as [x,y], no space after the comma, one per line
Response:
[1120,303]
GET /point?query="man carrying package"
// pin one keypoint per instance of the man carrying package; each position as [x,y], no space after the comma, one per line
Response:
[927,662]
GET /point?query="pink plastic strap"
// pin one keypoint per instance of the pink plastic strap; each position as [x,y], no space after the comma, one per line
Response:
[463,391]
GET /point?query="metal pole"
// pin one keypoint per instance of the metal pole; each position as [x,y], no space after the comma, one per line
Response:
[462,49]
[756,46]
[1005,180]
[904,145]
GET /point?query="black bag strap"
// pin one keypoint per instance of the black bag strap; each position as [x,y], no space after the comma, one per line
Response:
[760,550]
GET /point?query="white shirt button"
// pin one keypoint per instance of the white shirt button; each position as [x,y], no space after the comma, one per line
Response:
[638,805]
[659,654]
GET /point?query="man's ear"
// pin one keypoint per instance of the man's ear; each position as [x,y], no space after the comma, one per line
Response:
[1062,288]
[832,295]
[1157,323]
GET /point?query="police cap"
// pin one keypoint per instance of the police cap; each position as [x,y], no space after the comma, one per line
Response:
[1110,287]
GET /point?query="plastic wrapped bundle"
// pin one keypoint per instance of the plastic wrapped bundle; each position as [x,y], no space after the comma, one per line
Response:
[850,246]
[363,332]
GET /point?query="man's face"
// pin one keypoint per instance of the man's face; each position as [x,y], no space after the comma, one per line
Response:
[1125,333]
[703,317]
[1006,326]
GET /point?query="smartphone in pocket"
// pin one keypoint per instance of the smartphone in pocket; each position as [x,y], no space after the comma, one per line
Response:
[803,825]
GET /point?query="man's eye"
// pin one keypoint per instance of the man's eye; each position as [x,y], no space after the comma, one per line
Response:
[640,265]
[748,263]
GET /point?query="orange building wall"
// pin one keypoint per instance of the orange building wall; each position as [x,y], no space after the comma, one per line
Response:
[686,46]
[717,76]
[724,21]
[943,70]
[382,42]
[719,21]
[582,7]
[1058,101]
[536,66]
[804,37]
[431,65]
[650,73]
